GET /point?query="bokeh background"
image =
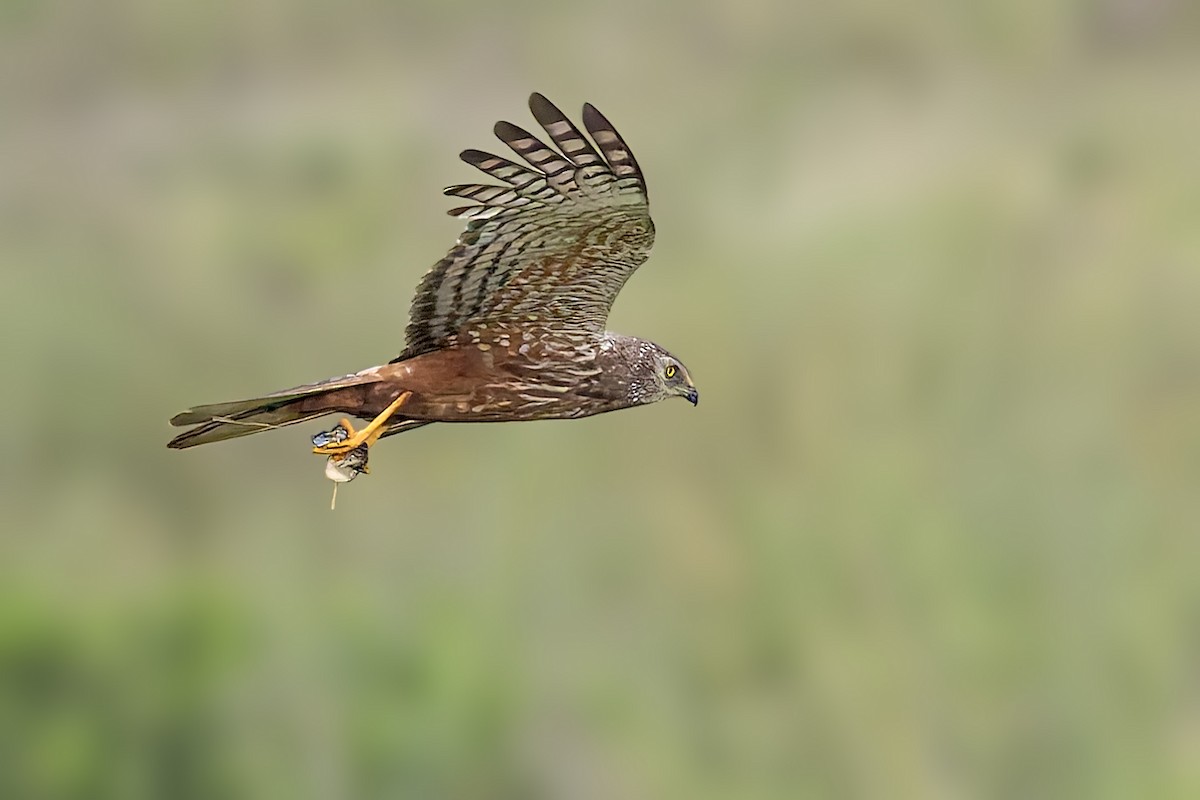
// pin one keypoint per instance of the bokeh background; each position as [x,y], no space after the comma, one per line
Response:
[932,531]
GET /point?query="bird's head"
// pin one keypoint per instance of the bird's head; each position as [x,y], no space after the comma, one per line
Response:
[658,375]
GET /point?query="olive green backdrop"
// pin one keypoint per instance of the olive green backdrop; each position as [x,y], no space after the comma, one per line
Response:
[931,532]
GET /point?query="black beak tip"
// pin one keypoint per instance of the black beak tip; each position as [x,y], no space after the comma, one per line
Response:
[693,396]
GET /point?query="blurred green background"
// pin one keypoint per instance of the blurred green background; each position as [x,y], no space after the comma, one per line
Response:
[931,533]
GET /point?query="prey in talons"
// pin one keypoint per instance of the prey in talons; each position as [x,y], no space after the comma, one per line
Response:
[342,467]
[347,451]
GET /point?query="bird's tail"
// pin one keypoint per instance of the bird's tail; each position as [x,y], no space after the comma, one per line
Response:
[221,421]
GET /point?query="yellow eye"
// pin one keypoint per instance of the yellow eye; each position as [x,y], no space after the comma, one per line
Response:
[669,371]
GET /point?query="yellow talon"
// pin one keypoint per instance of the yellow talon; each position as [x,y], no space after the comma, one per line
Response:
[368,435]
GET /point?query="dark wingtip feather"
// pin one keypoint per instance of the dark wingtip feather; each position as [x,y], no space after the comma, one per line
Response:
[562,131]
[616,151]
[473,156]
[542,108]
[505,131]
[594,120]
[590,111]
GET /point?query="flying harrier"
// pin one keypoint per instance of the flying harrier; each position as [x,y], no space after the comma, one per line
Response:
[510,325]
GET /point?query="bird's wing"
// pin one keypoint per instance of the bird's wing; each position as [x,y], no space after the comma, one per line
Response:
[553,246]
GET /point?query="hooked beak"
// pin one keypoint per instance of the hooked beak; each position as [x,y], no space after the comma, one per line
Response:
[692,396]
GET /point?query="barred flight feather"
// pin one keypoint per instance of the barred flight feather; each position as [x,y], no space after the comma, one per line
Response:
[555,243]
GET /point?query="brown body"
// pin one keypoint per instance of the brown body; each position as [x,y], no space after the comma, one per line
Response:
[516,376]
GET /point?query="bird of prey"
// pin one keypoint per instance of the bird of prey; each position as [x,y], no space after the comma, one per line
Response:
[510,325]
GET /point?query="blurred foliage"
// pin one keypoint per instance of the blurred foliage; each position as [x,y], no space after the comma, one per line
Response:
[931,532]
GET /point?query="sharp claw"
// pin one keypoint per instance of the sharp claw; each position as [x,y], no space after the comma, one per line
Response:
[332,442]
[334,435]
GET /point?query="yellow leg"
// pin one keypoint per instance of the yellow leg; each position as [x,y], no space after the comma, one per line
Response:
[368,435]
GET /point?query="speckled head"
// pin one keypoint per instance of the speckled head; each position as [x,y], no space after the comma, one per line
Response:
[655,374]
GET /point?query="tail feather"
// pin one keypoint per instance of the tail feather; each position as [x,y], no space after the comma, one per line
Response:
[226,427]
[221,421]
